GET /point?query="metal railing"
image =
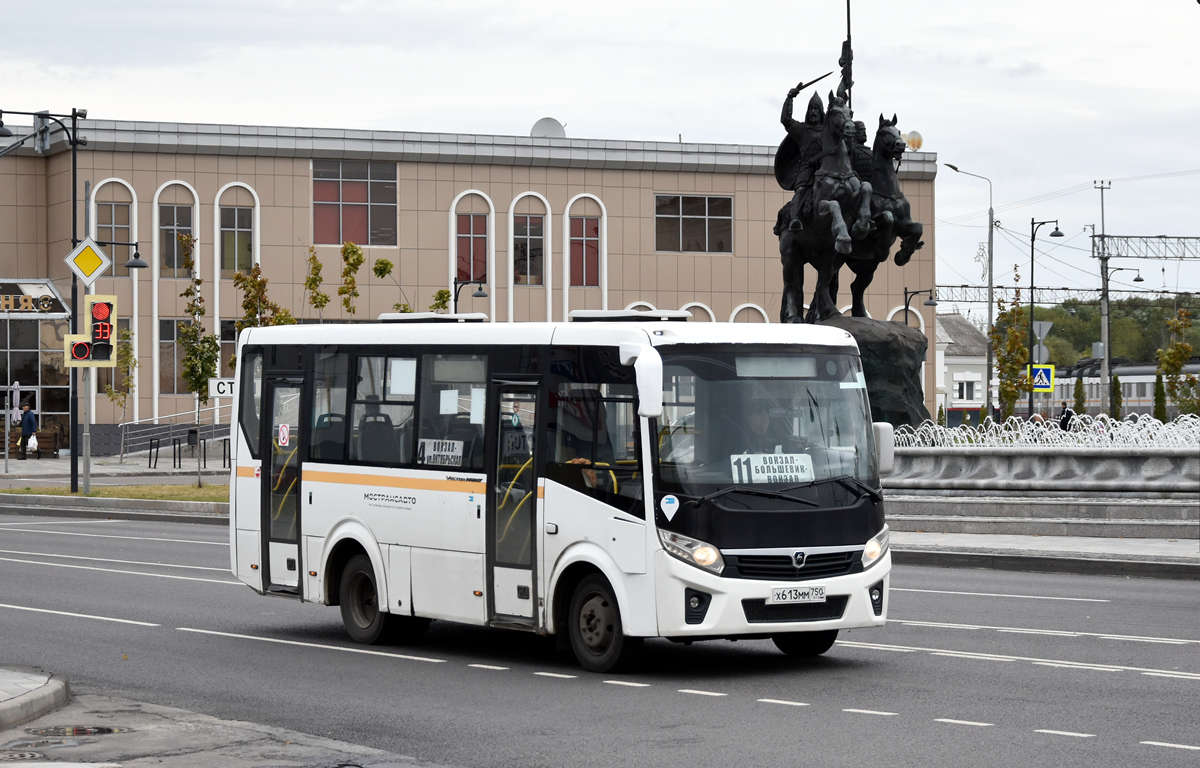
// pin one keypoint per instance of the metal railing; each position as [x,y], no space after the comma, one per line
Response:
[137,435]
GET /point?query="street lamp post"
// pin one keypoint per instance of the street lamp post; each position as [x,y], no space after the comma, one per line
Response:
[480,293]
[930,302]
[1105,333]
[1034,227]
[75,140]
[987,397]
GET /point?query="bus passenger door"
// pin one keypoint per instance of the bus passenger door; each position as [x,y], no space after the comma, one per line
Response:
[515,492]
[281,442]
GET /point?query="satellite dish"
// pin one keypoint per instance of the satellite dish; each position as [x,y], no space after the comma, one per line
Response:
[548,128]
[914,141]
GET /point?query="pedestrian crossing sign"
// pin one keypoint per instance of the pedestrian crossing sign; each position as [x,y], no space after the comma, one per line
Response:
[1043,378]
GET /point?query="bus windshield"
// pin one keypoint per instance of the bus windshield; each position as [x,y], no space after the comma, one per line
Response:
[764,417]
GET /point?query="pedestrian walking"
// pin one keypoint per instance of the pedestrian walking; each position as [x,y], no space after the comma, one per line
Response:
[1066,417]
[28,427]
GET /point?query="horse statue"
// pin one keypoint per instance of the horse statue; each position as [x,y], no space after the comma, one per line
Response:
[835,213]
[874,232]
[891,214]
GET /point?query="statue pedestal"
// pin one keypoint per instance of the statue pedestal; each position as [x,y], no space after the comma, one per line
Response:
[892,355]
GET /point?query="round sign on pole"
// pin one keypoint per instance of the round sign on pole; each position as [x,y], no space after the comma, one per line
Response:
[284,435]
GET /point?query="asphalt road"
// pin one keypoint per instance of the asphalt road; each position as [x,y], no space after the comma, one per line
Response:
[976,667]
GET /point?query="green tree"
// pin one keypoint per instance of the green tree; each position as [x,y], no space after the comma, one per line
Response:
[1183,389]
[200,350]
[317,299]
[1115,402]
[127,363]
[1008,342]
[257,307]
[441,301]
[352,259]
[1160,398]
[384,268]
[941,417]
[1080,397]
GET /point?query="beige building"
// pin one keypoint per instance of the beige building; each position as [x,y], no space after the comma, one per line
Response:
[547,225]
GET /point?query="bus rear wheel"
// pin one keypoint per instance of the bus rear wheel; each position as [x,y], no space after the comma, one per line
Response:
[805,645]
[594,626]
[365,623]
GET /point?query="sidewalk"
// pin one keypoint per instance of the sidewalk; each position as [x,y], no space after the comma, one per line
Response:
[27,693]
[108,470]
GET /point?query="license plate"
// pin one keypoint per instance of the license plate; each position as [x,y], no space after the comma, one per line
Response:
[812,593]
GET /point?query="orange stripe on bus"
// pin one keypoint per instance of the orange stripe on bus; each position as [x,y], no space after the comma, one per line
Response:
[245,471]
[541,491]
[384,481]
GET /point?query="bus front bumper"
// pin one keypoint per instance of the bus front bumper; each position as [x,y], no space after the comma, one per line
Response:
[731,607]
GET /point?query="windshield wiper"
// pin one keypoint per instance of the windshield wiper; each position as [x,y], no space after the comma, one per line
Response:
[750,492]
[847,482]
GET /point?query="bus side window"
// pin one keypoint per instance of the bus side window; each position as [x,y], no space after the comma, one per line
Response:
[382,414]
[595,443]
[250,402]
[453,402]
[331,377]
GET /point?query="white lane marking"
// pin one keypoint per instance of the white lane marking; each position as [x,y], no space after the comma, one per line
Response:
[486,666]
[1176,675]
[1058,632]
[994,594]
[976,656]
[1066,733]
[701,693]
[876,647]
[781,701]
[962,722]
[869,712]
[114,570]
[940,624]
[556,675]
[311,645]
[1168,744]
[107,560]
[79,615]
[112,536]
[1068,665]
[627,683]
[1164,640]
[63,522]
[1079,664]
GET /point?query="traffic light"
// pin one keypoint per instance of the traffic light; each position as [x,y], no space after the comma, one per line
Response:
[102,329]
[94,349]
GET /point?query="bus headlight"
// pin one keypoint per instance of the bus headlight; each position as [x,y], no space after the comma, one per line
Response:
[692,551]
[875,548]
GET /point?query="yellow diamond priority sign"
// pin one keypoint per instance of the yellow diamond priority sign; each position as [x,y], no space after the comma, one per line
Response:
[87,261]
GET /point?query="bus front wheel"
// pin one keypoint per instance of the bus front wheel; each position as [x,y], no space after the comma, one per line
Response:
[594,626]
[805,644]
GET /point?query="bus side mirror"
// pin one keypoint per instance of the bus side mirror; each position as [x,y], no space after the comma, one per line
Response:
[647,367]
[885,446]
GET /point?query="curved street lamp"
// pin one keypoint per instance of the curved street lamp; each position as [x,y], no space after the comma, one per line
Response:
[1034,227]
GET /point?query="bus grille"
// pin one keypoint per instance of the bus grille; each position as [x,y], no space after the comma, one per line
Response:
[780,568]
[758,612]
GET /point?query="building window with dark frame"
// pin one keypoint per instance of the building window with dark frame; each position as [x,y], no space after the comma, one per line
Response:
[472,247]
[237,240]
[173,221]
[693,224]
[354,201]
[966,390]
[528,249]
[112,226]
[585,250]
[170,359]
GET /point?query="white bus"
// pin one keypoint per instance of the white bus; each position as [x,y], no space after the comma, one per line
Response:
[605,480]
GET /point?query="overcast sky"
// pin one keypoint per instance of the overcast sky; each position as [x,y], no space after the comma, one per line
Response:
[1042,97]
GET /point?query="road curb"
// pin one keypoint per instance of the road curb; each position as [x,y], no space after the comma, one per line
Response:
[1085,566]
[54,694]
[117,514]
